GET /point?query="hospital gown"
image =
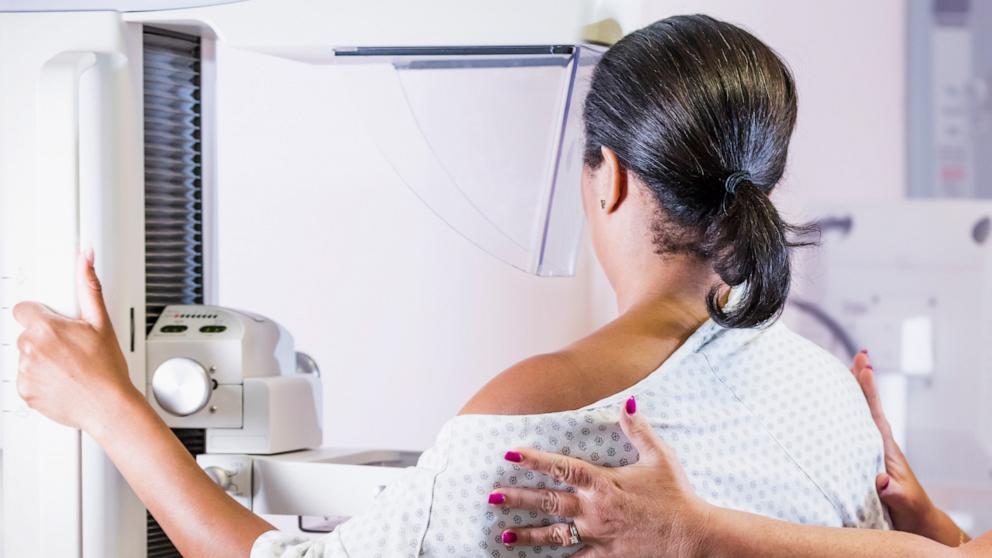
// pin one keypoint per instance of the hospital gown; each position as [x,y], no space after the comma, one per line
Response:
[762,420]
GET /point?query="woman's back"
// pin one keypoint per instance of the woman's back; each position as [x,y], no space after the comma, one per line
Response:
[762,420]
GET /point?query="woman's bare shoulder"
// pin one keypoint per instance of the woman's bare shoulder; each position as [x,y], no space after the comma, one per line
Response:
[540,384]
[597,366]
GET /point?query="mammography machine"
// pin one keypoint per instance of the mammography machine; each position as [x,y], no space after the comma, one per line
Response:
[912,282]
[235,377]
[126,126]
[910,279]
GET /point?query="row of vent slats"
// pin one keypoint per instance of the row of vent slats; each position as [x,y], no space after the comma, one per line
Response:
[173,200]
[173,173]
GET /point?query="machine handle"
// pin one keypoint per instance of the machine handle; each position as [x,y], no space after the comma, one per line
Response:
[57,233]
[57,222]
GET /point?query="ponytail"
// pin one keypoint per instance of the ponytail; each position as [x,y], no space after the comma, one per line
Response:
[750,244]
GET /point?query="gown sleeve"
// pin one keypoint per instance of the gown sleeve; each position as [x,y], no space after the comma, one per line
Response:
[276,544]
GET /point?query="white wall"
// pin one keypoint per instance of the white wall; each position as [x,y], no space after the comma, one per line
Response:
[848,57]
[849,62]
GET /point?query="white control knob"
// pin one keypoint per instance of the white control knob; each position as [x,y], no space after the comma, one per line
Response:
[181,386]
[221,477]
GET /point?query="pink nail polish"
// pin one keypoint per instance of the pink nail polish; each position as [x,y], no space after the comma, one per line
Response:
[513,456]
[885,484]
[509,537]
[496,498]
[864,351]
[869,367]
[631,406]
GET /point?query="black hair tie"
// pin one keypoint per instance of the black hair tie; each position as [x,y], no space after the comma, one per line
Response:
[731,184]
[734,180]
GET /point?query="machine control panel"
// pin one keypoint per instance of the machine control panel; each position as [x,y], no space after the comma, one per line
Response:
[236,375]
[180,322]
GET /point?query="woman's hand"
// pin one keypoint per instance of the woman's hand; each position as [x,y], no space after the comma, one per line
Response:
[72,370]
[909,505]
[647,509]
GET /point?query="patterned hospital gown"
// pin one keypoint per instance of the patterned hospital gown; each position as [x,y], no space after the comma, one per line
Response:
[761,419]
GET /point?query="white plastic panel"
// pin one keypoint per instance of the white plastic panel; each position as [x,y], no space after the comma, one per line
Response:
[68,165]
[324,482]
[488,137]
[104,5]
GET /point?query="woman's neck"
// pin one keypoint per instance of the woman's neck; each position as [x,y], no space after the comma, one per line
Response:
[667,293]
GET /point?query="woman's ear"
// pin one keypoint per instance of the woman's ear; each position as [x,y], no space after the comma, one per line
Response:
[613,181]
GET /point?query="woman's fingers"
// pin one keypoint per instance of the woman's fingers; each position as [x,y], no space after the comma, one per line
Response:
[882,482]
[92,309]
[638,430]
[888,489]
[866,379]
[864,373]
[551,502]
[89,292]
[568,470]
[31,313]
[860,361]
[556,534]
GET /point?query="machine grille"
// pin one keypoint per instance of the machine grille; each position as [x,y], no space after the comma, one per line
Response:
[173,172]
[173,199]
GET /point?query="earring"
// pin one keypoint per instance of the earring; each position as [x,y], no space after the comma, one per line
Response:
[602,204]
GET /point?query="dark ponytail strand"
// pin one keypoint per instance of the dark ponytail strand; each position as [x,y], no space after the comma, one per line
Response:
[750,246]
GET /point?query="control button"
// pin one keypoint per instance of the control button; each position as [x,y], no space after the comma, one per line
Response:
[181,386]
[221,477]
[173,329]
[213,329]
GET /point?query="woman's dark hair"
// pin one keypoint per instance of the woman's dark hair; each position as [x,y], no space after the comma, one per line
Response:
[702,112]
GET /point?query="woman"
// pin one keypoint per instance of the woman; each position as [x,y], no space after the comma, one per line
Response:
[688,124]
[662,517]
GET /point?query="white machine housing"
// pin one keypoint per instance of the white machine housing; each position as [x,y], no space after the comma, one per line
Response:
[911,281]
[234,374]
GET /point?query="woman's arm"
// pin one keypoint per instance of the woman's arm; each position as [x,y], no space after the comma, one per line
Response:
[73,371]
[743,535]
[648,510]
